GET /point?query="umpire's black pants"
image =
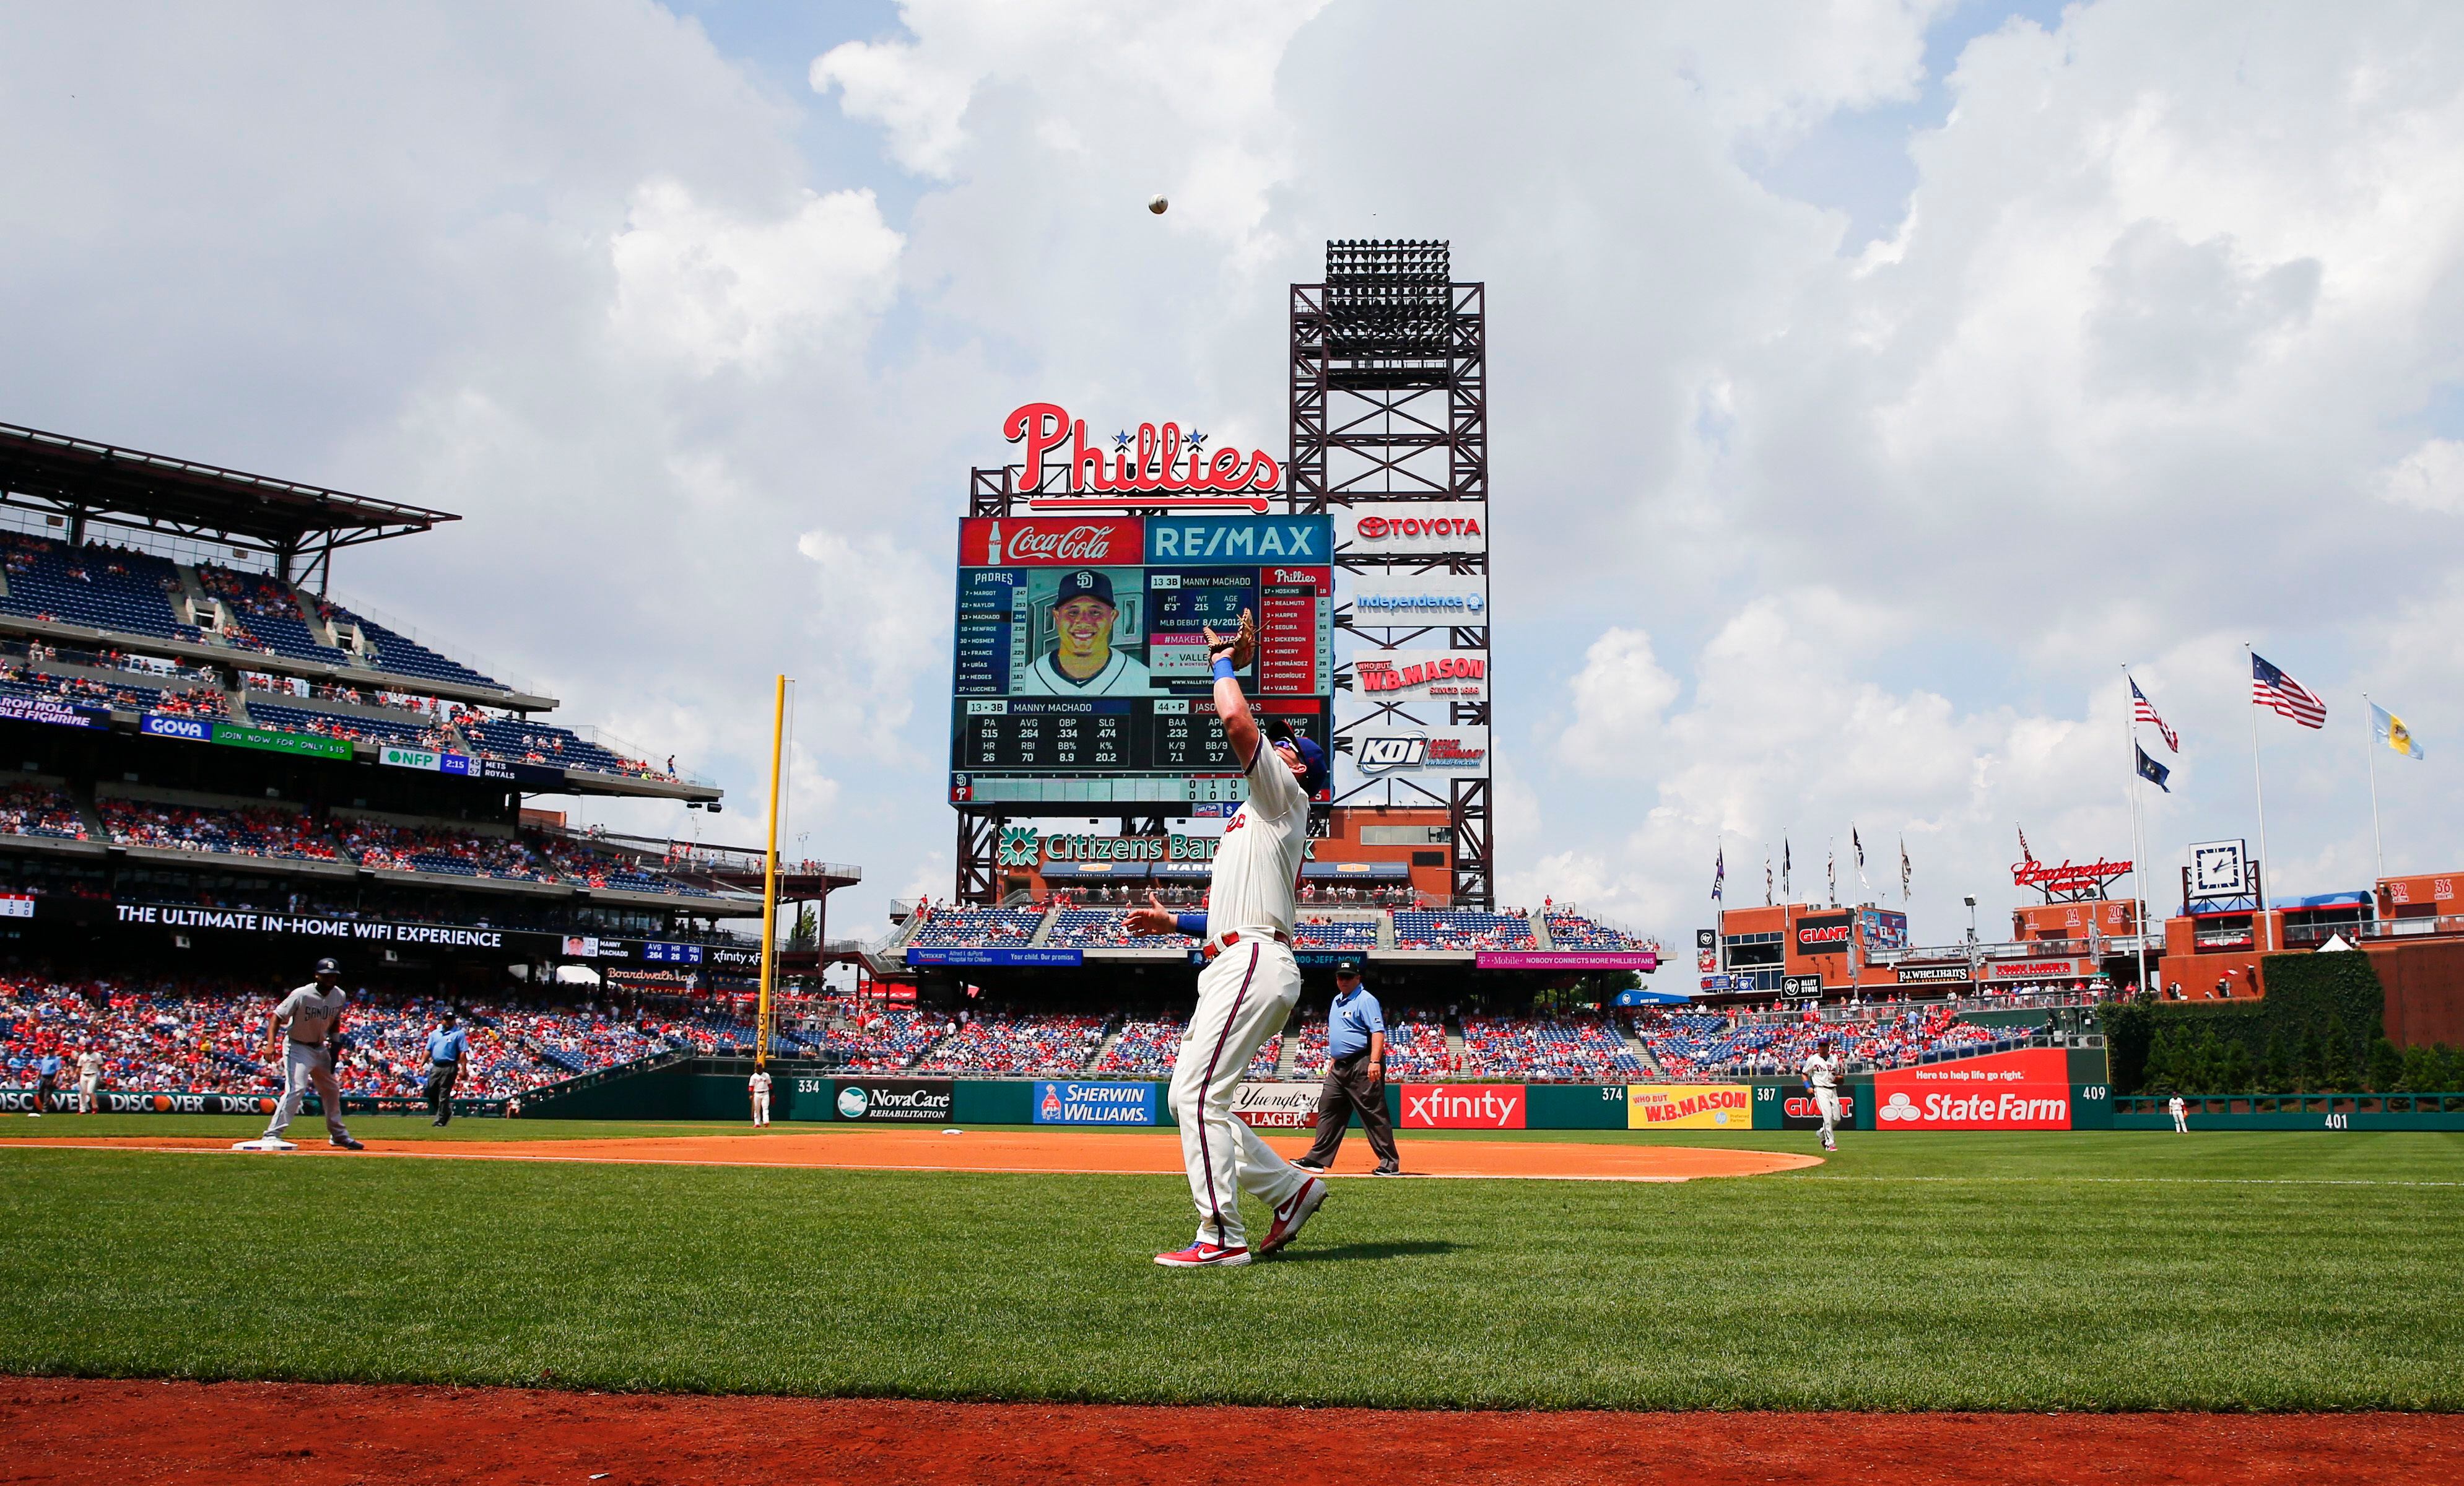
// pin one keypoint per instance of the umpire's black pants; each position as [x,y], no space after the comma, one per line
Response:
[440,1090]
[1348,1087]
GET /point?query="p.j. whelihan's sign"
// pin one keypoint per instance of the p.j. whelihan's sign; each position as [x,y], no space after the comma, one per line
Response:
[1156,466]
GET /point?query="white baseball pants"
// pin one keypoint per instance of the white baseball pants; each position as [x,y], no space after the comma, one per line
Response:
[1243,997]
[1828,1102]
[304,1068]
[88,1099]
[760,1109]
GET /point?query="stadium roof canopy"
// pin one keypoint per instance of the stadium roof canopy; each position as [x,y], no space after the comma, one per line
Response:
[80,481]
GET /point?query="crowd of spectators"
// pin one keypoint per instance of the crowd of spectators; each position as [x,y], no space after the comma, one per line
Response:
[29,809]
[1016,1045]
[1562,1050]
[949,924]
[881,1041]
[1144,1049]
[1569,930]
[1689,1044]
[254,830]
[1461,928]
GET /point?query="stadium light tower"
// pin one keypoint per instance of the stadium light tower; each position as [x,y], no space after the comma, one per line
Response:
[1390,436]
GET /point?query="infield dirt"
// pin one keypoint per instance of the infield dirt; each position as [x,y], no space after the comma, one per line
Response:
[303,1434]
[1072,1152]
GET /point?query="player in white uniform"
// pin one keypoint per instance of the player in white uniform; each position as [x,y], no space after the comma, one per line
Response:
[1082,661]
[1822,1072]
[89,1081]
[312,1017]
[1250,980]
[2181,1113]
[760,1086]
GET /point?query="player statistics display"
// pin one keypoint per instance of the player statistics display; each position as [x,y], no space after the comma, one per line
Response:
[1082,672]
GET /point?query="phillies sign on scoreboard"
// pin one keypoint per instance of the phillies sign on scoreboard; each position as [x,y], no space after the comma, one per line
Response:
[1422,675]
[1159,465]
[2025,1090]
[1414,527]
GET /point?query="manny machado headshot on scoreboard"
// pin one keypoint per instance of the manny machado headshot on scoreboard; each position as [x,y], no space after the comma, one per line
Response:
[1083,660]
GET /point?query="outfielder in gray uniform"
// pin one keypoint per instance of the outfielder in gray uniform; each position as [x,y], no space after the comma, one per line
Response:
[307,1021]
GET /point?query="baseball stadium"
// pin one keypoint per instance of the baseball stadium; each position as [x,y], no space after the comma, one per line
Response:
[404,1078]
[699,1171]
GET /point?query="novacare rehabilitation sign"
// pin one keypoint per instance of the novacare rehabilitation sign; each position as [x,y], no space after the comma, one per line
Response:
[1094,1104]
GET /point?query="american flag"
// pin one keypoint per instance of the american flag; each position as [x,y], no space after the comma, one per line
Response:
[2144,710]
[2272,689]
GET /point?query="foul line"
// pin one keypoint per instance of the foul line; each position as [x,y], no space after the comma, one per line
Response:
[2158,1181]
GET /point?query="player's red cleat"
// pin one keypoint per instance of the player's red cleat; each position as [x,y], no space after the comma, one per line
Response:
[1203,1256]
[1295,1211]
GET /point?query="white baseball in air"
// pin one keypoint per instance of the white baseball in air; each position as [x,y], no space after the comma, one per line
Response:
[1158,205]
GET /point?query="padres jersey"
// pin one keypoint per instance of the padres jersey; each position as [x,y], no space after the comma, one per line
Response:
[1121,676]
[1823,1072]
[310,1013]
[1258,863]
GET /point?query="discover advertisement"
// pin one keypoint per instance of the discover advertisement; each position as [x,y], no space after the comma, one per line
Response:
[2028,1089]
[1094,1104]
[1463,1106]
[893,1101]
[1689,1107]
[1278,1106]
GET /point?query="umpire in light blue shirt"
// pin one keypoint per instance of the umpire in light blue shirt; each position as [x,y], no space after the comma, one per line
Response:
[1355,1076]
[449,1048]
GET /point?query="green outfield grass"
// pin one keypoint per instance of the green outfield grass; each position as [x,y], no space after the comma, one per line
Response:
[2083,1271]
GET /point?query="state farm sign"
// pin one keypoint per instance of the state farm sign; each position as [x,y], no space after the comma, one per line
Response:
[1463,1106]
[1157,461]
[1409,675]
[2025,1090]
[1413,526]
[1051,541]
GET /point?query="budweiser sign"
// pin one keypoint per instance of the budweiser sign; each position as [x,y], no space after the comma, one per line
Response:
[2069,877]
[1156,461]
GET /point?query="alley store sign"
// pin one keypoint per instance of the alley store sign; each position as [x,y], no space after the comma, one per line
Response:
[1156,466]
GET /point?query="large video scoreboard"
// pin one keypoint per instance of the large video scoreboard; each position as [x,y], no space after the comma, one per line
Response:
[1081,674]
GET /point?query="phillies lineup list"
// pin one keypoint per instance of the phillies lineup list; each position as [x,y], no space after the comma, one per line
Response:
[1081,640]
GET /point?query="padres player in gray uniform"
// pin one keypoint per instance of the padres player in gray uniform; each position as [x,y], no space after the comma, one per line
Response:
[307,1022]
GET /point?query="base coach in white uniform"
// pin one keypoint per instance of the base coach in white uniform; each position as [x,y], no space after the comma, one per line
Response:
[1250,981]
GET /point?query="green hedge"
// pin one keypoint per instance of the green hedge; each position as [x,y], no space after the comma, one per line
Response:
[2320,1026]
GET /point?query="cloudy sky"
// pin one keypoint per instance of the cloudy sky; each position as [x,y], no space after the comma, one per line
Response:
[1870,382]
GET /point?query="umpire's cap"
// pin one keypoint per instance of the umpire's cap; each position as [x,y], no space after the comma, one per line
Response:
[1347,967]
[1086,583]
[328,967]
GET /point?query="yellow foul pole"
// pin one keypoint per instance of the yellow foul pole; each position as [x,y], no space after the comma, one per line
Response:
[770,884]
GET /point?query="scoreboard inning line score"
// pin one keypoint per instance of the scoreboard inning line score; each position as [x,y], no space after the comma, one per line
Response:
[1081,674]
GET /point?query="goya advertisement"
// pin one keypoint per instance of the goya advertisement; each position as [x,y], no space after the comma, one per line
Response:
[1689,1107]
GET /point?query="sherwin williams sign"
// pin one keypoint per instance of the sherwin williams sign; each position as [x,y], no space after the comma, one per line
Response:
[1463,1106]
[2025,1090]
[1688,1106]
[1094,1104]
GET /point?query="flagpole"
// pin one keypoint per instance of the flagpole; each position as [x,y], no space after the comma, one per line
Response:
[2138,828]
[2370,730]
[2258,786]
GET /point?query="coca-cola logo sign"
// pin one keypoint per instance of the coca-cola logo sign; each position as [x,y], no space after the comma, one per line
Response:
[1158,460]
[1046,541]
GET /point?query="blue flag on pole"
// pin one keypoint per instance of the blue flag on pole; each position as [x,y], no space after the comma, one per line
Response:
[2152,772]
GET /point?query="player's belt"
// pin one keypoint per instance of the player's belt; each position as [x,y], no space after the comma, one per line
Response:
[1216,947]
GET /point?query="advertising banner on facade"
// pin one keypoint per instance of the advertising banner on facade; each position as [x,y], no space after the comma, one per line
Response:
[1822,933]
[2025,1090]
[1797,1110]
[893,1101]
[979,954]
[1401,600]
[2036,969]
[1689,1107]
[1913,975]
[1408,676]
[1463,1106]
[1386,751]
[1277,1107]
[1413,527]
[1644,960]
[1094,1104]
[42,708]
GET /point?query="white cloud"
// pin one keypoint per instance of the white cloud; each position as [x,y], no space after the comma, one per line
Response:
[1619,696]
[2430,478]
[714,290]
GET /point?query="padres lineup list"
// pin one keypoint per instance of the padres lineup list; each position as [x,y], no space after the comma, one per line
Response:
[1036,697]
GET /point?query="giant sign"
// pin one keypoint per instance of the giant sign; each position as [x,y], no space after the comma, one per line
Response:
[2024,1090]
[1081,651]
[1823,933]
[1131,469]
[1463,1106]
